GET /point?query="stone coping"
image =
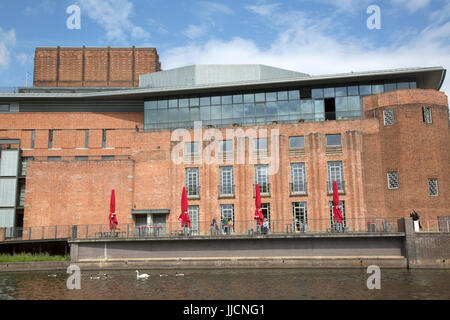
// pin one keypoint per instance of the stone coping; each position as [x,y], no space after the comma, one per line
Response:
[248,237]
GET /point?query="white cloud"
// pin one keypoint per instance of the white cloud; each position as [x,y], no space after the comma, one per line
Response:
[306,44]
[114,17]
[22,58]
[263,9]
[412,5]
[194,32]
[209,8]
[7,41]
[46,6]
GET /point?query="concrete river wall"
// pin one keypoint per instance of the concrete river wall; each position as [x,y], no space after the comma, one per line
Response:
[395,250]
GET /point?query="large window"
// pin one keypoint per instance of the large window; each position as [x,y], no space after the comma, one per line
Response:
[226,146]
[342,207]
[335,173]
[247,108]
[260,144]
[298,178]
[265,208]
[192,182]
[227,211]
[388,117]
[296,142]
[299,215]
[262,178]
[333,140]
[192,148]
[226,187]
[193,212]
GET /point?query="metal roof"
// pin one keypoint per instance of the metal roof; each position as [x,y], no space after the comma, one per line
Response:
[427,78]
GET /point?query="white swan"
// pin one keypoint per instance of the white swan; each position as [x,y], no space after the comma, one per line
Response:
[141,276]
[179,274]
[163,275]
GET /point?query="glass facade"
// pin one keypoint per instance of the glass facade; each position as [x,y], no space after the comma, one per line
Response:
[253,108]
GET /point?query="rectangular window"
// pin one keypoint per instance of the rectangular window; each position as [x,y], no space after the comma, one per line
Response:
[296,142]
[24,165]
[193,212]
[392,178]
[388,117]
[433,187]
[298,178]
[335,173]
[107,157]
[192,147]
[226,146]
[342,207]
[56,158]
[427,115]
[86,138]
[333,140]
[32,139]
[227,211]
[192,182]
[260,144]
[104,138]
[22,195]
[265,208]
[50,139]
[4,107]
[299,216]
[262,178]
[81,158]
[226,186]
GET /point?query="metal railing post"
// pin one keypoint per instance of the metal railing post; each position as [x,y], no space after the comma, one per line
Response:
[29,233]
[128,230]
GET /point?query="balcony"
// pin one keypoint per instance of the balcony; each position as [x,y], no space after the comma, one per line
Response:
[340,185]
[193,192]
[226,191]
[192,158]
[264,189]
[298,189]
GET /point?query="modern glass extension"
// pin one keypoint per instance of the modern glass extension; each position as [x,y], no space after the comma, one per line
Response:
[254,108]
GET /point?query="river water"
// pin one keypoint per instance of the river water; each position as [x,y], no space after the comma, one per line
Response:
[234,284]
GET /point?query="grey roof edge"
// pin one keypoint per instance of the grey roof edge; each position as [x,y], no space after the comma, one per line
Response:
[172,90]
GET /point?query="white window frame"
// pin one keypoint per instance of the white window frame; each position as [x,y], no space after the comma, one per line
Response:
[262,177]
[298,177]
[194,217]
[192,180]
[226,180]
[335,173]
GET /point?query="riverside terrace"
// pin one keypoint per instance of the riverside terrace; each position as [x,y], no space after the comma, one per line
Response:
[205,229]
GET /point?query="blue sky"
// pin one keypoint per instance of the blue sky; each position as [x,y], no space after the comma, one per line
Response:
[316,37]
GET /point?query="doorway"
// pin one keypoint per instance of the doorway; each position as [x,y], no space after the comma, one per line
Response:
[330,109]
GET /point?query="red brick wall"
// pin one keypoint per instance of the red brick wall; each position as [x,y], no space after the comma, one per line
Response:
[369,149]
[93,67]
[416,150]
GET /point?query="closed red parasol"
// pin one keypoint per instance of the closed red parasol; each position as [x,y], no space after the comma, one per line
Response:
[258,212]
[112,211]
[184,216]
[337,213]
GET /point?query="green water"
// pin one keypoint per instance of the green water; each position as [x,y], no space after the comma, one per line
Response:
[253,284]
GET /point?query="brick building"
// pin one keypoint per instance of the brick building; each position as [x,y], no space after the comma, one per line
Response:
[383,136]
